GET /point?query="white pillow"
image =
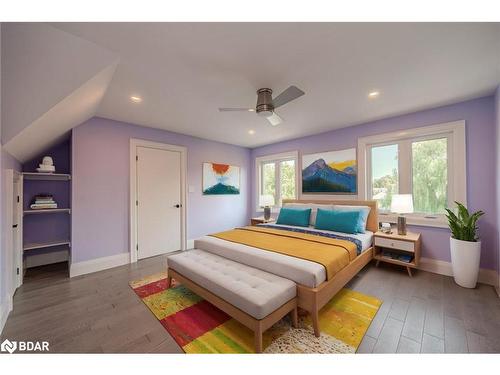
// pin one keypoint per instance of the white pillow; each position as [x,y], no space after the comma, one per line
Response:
[314,209]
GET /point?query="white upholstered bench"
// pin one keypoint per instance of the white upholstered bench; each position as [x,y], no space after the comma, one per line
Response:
[255,298]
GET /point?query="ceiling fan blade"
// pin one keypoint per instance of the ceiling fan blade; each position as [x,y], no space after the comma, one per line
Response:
[274,119]
[291,93]
[236,110]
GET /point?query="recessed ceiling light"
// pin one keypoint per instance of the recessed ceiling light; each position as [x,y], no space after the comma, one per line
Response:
[251,110]
[373,94]
[136,99]
[251,132]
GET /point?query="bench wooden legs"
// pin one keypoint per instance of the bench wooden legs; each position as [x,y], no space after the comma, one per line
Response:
[258,331]
[258,338]
[169,282]
[315,322]
[295,318]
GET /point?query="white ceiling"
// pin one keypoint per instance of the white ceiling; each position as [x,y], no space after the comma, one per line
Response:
[185,71]
[51,82]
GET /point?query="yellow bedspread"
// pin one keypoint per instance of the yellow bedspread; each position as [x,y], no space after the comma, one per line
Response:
[334,254]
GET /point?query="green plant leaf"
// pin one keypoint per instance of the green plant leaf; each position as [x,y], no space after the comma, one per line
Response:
[464,225]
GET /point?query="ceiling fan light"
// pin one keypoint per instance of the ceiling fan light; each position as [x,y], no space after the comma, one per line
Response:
[274,119]
[265,114]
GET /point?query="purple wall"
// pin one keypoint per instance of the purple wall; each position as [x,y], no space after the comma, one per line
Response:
[481,161]
[101,172]
[61,155]
[10,162]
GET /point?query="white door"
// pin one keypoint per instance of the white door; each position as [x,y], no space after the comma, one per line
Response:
[158,201]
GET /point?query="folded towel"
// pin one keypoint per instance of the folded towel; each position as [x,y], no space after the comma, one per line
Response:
[43,206]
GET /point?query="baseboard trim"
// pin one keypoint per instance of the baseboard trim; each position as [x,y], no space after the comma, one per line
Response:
[5,309]
[189,244]
[99,264]
[442,267]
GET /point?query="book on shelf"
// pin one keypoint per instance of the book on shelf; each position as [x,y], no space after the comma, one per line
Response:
[44,195]
[42,201]
[406,258]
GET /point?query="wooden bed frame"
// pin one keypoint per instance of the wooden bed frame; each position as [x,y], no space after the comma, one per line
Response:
[313,299]
[309,299]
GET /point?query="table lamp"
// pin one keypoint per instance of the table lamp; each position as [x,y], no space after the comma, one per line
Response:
[267,201]
[402,204]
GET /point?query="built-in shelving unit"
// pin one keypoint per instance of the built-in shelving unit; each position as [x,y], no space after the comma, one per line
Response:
[47,211]
[46,233]
[46,176]
[44,245]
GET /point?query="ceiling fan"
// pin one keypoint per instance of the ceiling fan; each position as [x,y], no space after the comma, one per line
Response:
[266,104]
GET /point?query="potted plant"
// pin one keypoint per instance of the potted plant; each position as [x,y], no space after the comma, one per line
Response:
[464,245]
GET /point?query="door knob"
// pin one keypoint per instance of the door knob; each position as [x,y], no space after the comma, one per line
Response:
[178,206]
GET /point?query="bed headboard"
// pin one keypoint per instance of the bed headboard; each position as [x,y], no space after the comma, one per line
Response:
[371,223]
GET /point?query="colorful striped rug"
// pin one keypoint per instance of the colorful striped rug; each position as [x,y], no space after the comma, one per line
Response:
[199,327]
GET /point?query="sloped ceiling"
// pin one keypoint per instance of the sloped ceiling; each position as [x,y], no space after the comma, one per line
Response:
[56,76]
[53,125]
[51,82]
[185,71]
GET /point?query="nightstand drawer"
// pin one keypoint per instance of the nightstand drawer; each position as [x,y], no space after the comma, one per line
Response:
[395,244]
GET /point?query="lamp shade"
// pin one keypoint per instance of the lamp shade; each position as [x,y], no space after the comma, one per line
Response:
[402,203]
[266,200]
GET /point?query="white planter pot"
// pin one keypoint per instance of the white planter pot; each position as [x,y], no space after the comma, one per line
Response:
[465,257]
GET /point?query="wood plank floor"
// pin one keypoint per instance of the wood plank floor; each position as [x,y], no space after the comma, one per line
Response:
[99,312]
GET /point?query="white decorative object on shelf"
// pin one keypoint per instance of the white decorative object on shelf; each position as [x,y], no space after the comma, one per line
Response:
[47,165]
[46,170]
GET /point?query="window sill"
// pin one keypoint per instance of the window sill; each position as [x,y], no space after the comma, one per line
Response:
[439,221]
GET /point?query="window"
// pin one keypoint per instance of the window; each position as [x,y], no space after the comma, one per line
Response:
[430,175]
[277,177]
[385,177]
[426,162]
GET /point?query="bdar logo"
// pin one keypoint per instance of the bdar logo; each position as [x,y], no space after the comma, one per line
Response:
[8,346]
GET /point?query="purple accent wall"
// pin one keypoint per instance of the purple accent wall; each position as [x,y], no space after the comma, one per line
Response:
[10,162]
[481,163]
[61,155]
[101,183]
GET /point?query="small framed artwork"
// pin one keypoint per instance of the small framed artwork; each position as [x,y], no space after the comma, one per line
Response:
[330,172]
[220,179]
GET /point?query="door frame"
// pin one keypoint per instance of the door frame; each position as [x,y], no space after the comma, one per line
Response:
[134,143]
[14,255]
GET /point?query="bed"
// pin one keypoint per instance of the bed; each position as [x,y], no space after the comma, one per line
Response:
[316,283]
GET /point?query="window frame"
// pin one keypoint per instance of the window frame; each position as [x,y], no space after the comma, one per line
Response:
[274,158]
[456,157]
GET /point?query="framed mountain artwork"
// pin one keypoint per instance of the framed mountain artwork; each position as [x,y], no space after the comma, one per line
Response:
[331,172]
[220,179]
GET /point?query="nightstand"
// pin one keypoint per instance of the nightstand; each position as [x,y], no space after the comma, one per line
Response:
[261,220]
[408,245]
